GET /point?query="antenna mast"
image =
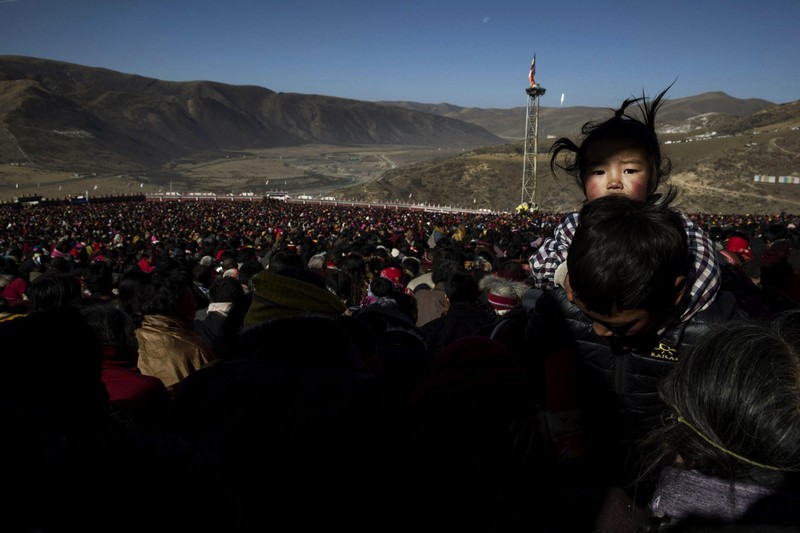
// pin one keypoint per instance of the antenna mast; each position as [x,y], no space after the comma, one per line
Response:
[534,91]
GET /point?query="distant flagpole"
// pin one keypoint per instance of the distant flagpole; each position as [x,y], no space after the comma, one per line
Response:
[534,91]
[532,73]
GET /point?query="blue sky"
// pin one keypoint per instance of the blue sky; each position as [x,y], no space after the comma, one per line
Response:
[463,52]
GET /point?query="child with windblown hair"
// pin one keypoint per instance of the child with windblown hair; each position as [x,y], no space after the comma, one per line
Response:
[622,155]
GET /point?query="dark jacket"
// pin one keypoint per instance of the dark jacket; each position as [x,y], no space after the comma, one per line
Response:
[624,380]
[604,396]
[211,330]
[461,320]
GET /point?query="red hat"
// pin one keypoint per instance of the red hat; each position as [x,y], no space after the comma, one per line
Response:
[394,274]
[739,245]
[501,304]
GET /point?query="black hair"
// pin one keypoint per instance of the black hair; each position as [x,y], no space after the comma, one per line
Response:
[355,266]
[112,325]
[225,289]
[510,269]
[249,269]
[405,302]
[734,401]
[202,273]
[444,268]
[130,288]
[155,294]
[99,278]
[381,287]
[620,126]
[285,259]
[775,232]
[462,287]
[338,283]
[54,289]
[411,266]
[628,254]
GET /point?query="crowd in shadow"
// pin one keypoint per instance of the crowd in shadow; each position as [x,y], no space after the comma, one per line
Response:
[232,366]
[385,372]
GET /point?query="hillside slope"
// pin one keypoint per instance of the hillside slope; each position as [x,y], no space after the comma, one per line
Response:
[714,161]
[66,129]
[64,116]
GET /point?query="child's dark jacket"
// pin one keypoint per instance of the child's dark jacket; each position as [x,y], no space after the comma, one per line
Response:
[627,378]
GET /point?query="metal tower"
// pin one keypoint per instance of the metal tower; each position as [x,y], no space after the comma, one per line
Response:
[534,91]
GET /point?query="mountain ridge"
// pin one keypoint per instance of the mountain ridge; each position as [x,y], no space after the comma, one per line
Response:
[61,123]
[54,111]
[510,123]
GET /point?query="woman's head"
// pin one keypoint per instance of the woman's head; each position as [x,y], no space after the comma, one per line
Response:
[735,401]
[621,155]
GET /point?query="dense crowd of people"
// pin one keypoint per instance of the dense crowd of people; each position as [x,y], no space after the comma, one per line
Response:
[401,357]
[238,366]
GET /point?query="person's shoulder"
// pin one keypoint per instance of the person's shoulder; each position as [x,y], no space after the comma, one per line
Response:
[187,341]
[422,279]
[538,300]
[551,306]
[569,218]
[722,309]
[530,297]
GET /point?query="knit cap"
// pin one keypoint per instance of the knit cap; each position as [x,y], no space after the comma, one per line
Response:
[502,304]
[284,296]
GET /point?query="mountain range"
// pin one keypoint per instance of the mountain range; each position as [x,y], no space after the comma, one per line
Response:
[63,117]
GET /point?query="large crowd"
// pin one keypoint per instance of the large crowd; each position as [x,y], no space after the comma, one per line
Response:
[442,412]
[243,366]
[129,228]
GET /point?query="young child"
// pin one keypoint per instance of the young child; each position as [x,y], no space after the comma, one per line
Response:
[606,337]
[622,155]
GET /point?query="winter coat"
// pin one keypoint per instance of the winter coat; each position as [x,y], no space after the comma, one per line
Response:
[170,350]
[431,303]
[628,379]
[461,320]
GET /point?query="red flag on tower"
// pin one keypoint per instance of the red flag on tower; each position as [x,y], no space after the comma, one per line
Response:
[532,73]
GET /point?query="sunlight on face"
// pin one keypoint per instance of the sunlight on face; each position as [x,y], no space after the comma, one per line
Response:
[617,166]
[629,323]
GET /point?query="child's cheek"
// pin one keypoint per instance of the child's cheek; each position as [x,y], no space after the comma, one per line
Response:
[595,189]
[636,190]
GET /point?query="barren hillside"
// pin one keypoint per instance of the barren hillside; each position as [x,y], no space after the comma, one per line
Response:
[68,130]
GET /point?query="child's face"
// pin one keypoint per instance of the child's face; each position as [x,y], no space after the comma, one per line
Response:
[627,326]
[617,166]
[629,323]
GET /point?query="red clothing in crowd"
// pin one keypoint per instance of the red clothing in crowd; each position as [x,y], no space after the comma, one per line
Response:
[144,399]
